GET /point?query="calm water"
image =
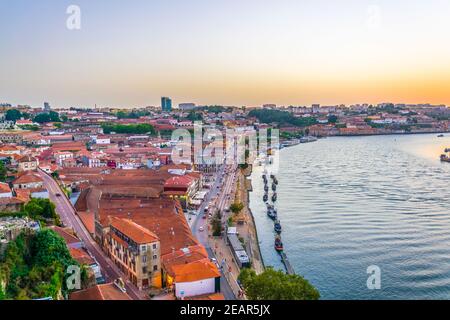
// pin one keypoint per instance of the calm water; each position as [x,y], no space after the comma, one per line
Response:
[348,203]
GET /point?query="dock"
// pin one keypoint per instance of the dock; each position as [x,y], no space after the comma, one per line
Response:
[287,264]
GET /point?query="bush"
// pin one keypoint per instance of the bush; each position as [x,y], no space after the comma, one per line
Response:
[276,285]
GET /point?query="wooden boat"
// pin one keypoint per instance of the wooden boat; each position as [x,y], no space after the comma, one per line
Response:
[272,214]
[278,244]
[266,197]
[274,187]
[274,197]
[446,156]
[277,227]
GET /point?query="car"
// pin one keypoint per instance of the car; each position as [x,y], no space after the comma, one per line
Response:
[120,284]
[201,229]
[58,194]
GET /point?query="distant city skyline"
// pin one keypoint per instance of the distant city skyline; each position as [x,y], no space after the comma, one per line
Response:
[231,52]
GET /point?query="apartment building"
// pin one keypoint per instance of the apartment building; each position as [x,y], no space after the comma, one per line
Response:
[136,251]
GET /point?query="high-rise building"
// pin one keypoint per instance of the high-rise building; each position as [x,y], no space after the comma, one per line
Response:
[166,104]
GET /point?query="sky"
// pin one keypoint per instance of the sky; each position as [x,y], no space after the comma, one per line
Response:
[229,52]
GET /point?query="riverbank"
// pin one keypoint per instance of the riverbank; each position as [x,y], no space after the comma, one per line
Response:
[250,234]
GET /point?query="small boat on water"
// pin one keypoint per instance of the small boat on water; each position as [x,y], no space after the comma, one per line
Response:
[266,197]
[274,197]
[440,136]
[277,227]
[266,188]
[308,139]
[272,214]
[274,187]
[278,244]
[446,156]
[275,180]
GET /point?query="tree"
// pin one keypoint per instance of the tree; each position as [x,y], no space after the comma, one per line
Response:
[217,224]
[194,116]
[276,285]
[13,115]
[236,208]
[34,266]
[142,128]
[52,116]
[41,209]
[332,118]
[3,172]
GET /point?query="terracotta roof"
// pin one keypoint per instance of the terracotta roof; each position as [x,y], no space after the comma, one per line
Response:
[28,177]
[4,188]
[100,292]
[81,256]
[179,181]
[135,232]
[194,271]
[67,234]
[88,220]
[27,158]
[213,296]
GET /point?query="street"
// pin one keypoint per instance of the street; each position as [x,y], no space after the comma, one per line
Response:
[221,190]
[70,219]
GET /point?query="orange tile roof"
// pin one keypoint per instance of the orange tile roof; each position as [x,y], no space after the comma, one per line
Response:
[28,177]
[194,271]
[134,231]
[88,220]
[4,188]
[100,292]
[213,296]
[66,234]
[81,256]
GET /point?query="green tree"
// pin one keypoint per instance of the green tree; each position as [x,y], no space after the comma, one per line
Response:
[52,116]
[13,115]
[332,118]
[3,172]
[142,128]
[41,209]
[217,224]
[236,208]
[276,285]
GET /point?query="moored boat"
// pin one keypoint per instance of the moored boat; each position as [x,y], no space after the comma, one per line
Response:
[277,227]
[274,197]
[446,156]
[272,214]
[278,244]
[266,197]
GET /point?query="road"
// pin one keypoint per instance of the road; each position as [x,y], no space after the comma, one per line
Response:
[70,219]
[222,187]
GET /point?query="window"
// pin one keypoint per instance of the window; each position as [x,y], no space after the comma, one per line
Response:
[144,248]
[155,246]
[144,259]
[155,257]
[155,268]
[144,270]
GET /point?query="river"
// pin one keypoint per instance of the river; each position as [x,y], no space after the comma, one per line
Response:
[347,203]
